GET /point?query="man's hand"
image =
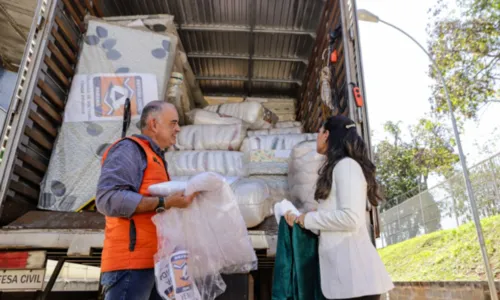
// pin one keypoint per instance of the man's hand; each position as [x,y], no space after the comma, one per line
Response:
[179,200]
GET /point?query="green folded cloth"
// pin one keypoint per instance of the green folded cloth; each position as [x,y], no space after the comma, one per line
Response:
[296,270]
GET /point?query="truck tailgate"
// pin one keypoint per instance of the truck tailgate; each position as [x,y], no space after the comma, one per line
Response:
[82,234]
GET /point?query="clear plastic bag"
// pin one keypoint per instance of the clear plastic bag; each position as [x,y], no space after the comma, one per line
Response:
[197,244]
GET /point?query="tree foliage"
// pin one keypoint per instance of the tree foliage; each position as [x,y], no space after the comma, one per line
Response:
[405,166]
[465,43]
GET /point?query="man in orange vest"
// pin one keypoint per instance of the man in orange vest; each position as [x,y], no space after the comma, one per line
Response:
[129,167]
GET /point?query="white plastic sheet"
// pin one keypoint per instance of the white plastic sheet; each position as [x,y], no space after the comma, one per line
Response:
[252,196]
[197,244]
[275,142]
[267,162]
[303,174]
[189,163]
[210,137]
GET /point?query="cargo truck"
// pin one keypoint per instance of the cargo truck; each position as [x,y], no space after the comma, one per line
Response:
[235,48]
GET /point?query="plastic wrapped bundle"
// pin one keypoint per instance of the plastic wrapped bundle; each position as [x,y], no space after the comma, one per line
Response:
[303,174]
[275,142]
[287,124]
[267,162]
[252,196]
[197,244]
[205,117]
[252,113]
[210,137]
[276,131]
[110,70]
[189,163]
[277,184]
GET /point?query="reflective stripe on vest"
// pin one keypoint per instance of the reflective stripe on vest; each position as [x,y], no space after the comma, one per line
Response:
[132,243]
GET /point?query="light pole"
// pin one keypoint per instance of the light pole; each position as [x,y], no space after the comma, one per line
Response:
[367,16]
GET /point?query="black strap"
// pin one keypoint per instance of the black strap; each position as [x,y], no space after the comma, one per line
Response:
[132,235]
[126,117]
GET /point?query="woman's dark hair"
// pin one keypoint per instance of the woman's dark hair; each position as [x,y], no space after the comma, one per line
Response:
[344,141]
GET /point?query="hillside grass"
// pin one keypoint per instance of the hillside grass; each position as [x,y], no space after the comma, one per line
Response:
[445,255]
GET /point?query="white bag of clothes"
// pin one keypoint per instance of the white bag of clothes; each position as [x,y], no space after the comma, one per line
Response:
[252,113]
[252,196]
[205,117]
[303,169]
[189,163]
[267,162]
[277,184]
[210,137]
[275,142]
[198,243]
[287,124]
[275,131]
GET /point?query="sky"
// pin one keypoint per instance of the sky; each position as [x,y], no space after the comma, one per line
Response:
[396,74]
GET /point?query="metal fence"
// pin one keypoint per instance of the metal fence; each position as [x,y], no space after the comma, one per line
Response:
[444,206]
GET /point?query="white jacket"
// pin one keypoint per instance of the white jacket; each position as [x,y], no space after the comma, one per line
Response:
[349,263]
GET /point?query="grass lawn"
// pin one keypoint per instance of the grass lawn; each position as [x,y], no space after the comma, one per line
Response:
[445,255]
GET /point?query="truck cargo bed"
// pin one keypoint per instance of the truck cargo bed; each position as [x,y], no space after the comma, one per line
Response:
[79,236]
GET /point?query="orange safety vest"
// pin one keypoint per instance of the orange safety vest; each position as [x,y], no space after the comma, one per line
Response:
[130,244]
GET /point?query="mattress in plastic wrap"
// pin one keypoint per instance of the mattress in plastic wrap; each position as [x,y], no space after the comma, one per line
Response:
[253,113]
[205,117]
[252,196]
[275,142]
[303,174]
[274,131]
[277,184]
[210,137]
[267,162]
[110,69]
[189,163]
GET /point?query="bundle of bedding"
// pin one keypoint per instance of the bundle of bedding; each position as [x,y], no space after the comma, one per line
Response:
[110,70]
[253,113]
[210,137]
[190,163]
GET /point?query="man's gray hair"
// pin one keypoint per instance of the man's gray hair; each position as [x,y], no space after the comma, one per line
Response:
[151,108]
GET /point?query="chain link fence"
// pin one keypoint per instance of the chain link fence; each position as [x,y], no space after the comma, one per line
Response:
[444,206]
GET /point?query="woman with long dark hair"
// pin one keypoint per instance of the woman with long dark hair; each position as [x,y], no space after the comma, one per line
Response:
[350,266]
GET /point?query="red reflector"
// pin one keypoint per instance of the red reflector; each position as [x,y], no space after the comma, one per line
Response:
[14,260]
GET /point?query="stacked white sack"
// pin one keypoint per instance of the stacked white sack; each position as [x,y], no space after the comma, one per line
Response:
[287,124]
[267,162]
[210,137]
[252,196]
[303,169]
[278,186]
[252,113]
[205,117]
[275,142]
[274,131]
[189,163]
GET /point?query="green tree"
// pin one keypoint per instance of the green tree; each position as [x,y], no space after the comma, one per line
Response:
[465,41]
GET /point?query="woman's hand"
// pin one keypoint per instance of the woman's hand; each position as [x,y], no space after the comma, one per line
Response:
[300,220]
[290,218]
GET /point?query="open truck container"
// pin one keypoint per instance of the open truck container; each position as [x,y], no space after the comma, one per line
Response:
[244,47]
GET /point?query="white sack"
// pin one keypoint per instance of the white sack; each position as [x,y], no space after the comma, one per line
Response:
[205,117]
[189,163]
[287,124]
[275,142]
[267,162]
[252,196]
[210,137]
[252,113]
[205,239]
[275,131]
[277,184]
[303,174]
